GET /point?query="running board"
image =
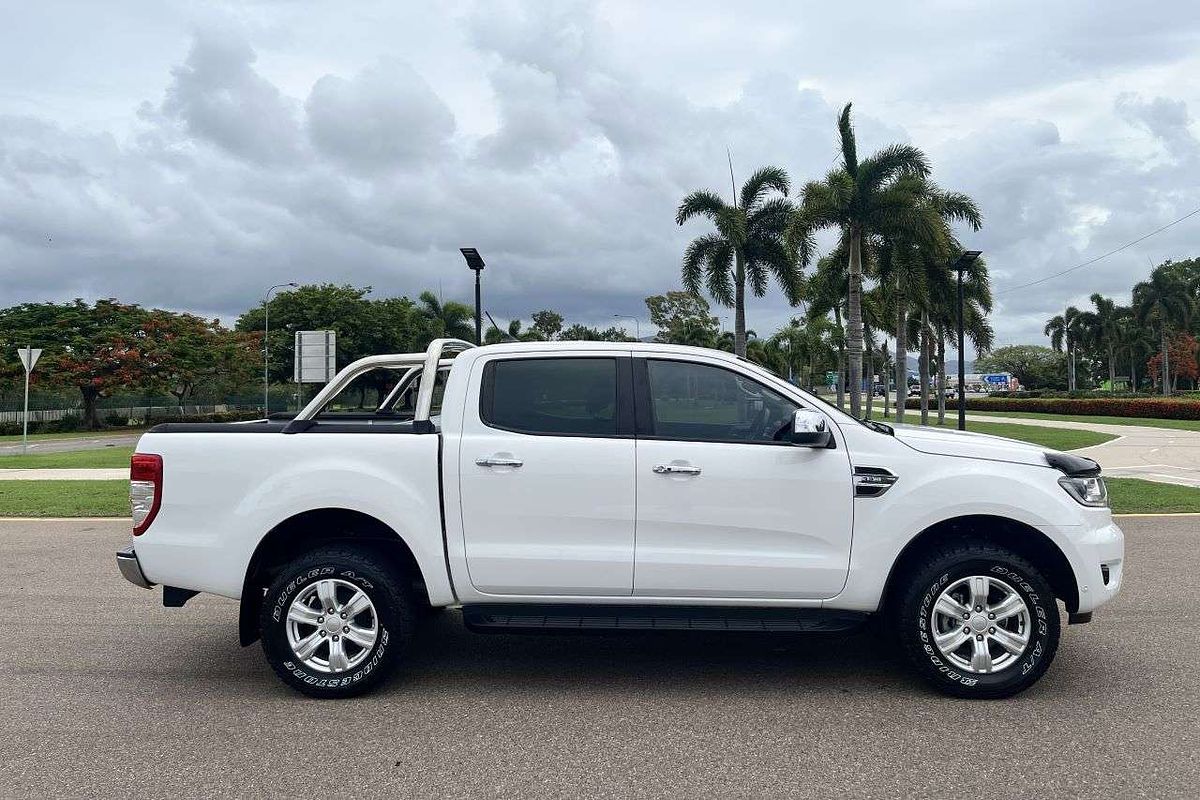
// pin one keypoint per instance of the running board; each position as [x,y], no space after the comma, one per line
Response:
[512,617]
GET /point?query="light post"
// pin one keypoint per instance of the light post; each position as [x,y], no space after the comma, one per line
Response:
[266,346]
[960,265]
[637,325]
[476,265]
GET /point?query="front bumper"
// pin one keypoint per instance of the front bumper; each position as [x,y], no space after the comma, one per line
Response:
[131,568]
[1098,562]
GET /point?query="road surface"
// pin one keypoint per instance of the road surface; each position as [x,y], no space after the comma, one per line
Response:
[107,693]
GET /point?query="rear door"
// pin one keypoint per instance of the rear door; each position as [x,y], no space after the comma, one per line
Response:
[546,468]
[726,508]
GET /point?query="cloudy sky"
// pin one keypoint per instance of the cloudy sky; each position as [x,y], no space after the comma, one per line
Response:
[188,155]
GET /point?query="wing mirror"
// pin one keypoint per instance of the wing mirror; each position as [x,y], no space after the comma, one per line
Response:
[809,429]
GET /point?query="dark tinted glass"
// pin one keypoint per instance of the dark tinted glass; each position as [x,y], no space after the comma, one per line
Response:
[573,396]
[699,402]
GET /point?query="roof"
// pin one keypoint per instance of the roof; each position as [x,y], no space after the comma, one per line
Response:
[636,347]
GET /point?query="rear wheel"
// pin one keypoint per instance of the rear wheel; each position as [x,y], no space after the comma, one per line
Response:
[335,623]
[979,621]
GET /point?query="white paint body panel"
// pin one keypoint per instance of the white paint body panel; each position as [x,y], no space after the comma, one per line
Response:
[559,529]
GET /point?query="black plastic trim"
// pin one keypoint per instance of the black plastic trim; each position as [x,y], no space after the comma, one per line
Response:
[584,617]
[273,426]
[1073,466]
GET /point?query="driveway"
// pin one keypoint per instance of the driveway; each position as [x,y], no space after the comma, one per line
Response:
[105,692]
[1154,454]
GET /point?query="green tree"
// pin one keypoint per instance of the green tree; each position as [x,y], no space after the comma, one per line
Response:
[585,333]
[860,199]
[1165,302]
[746,248]
[1065,331]
[1101,327]
[682,318]
[1034,366]
[449,319]
[548,323]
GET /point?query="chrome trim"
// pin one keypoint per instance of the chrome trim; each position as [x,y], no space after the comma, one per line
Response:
[131,568]
[872,481]
[676,469]
[496,461]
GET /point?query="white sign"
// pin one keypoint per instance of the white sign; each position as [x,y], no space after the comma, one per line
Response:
[316,357]
[29,357]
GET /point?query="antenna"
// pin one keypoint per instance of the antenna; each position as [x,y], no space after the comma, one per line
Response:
[732,182]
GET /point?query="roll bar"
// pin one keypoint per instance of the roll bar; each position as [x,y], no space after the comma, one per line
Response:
[429,361]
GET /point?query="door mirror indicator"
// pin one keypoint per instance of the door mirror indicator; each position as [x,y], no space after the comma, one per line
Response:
[809,429]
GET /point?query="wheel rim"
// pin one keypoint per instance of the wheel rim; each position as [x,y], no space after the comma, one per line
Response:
[332,625]
[980,624]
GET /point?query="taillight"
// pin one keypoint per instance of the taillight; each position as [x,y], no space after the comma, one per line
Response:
[145,489]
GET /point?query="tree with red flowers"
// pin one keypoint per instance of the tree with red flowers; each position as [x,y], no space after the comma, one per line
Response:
[1182,356]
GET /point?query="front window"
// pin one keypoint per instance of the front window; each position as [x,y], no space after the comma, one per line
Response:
[698,402]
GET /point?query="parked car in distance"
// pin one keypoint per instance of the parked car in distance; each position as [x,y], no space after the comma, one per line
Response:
[572,486]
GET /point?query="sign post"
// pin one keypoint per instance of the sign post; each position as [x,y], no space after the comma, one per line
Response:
[29,357]
[316,359]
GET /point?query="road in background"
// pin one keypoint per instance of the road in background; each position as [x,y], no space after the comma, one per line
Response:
[82,442]
[106,692]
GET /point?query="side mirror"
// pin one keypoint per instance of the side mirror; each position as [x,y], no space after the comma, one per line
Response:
[809,429]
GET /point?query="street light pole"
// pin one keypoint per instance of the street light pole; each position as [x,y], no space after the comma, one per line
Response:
[476,265]
[637,325]
[267,348]
[960,264]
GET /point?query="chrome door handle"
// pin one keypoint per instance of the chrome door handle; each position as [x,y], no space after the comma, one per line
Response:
[676,469]
[496,461]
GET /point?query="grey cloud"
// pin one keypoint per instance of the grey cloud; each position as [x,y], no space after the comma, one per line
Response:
[385,117]
[217,96]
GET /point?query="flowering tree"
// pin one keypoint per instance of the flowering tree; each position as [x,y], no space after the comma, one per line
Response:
[1181,352]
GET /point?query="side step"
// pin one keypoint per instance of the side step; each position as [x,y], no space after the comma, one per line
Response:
[515,617]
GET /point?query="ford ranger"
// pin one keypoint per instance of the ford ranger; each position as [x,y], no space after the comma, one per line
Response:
[576,486]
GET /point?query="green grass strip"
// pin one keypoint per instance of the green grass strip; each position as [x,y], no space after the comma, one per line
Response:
[64,498]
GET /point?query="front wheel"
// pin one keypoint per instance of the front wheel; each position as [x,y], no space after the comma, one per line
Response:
[979,621]
[335,622]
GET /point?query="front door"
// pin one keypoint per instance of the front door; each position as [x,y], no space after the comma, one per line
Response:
[546,466]
[725,508]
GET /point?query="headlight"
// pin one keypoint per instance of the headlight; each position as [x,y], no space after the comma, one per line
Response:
[1087,491]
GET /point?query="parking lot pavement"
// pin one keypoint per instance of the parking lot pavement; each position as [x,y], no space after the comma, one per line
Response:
[105,692]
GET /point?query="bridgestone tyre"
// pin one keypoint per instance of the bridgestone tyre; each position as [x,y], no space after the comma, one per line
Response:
[388,621]
[1007,574]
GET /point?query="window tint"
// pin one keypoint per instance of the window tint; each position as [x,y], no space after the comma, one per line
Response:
[700,402]
[573,396]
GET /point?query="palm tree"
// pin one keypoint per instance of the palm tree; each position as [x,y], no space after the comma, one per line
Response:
[747,247]
[1065,331]
[859,198]
[826,291]
[1163,301]
[1134,341]
[1102,325]
[451,319]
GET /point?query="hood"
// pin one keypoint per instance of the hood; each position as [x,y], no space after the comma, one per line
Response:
[942,442]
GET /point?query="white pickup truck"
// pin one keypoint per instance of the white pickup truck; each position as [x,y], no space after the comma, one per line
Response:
[577,486]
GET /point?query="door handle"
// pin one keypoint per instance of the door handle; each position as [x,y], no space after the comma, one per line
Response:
[497,461]
[676,469]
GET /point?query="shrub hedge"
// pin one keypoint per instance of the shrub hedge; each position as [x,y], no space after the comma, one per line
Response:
[1151,407]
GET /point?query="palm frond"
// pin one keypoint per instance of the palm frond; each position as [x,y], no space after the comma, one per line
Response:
[848,143]
[703,202]
[763,181]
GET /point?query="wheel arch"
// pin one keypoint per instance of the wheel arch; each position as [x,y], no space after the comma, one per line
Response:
[1018,536]
[307,530]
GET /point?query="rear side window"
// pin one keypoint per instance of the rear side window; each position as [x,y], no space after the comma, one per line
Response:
[565,396]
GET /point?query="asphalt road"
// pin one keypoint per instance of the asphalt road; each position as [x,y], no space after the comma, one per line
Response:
[104,692]
[99,442]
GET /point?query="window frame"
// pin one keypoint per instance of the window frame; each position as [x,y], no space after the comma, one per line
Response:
[644,404]
[625,424]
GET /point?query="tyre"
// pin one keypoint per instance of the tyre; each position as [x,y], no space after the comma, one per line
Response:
[978,621]
[335,622]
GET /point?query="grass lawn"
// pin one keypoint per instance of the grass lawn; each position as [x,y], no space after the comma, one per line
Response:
[1134,496]
[1054,438]
[106,457]
[1177,424]
[64,498]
